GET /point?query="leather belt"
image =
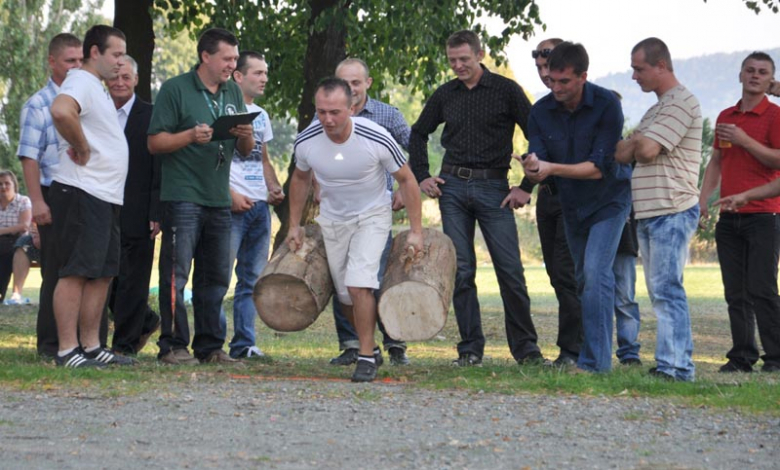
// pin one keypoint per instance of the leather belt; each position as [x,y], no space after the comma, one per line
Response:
[469,173]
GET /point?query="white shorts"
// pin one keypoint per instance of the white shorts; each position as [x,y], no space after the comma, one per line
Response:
[354,249]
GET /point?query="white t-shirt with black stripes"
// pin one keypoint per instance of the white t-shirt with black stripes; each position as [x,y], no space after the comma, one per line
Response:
[352,174]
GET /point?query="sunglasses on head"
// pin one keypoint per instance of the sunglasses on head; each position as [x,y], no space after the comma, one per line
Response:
[545,53]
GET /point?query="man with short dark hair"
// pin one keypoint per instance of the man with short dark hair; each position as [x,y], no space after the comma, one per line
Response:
[253,185]
[39,155]
[355,72]
[572,136]
[134,319]
[195,189]
[355,217]
[479,110]
[745,157]
[667,149]
[87,194]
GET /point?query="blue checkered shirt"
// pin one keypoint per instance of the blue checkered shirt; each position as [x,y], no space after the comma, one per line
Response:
[38,138]
[392,120]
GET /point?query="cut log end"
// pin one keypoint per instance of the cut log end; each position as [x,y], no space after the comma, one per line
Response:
[285,304]
[412,311]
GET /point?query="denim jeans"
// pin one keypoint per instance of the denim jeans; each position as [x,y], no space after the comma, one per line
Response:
[463,203]
[593,250]
[192,232]
[347,335]
[663,243]
[748,249]
[250,236]
[560,270]
[626,308]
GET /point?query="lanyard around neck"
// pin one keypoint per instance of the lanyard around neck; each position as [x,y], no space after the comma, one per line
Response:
[210,104]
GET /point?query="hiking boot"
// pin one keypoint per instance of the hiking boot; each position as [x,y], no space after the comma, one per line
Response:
[467,359]
[109,358]
[145,337]
[534,359]
[347,357]
[732,367]
[76,360]
[398,356]
[219,356]
[631,361]
[365,371]
[179,357]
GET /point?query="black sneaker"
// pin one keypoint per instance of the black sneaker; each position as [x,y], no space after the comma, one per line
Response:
[534,359]
[76,359]
[347,357]
[631,361]
[765,368]
[564,360]
[398,357]
[365,371]
[467,359]
[108,358]
[378,358]
[661,375]
[732,367]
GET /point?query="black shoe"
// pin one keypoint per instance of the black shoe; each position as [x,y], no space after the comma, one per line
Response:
[661,375]
[347,357]
[108,358]
[534,359]
[732,367]
[564,361]
[467,359]
[765,368]
[76,359]
[398,357]
[365,371]
[378,358]
[631,361]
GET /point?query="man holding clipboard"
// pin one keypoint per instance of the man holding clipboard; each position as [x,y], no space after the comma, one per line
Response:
[195,193]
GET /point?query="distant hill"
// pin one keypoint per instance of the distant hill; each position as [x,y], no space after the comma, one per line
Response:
[712,78]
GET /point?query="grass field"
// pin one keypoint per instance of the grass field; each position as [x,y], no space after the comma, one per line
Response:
[306,353]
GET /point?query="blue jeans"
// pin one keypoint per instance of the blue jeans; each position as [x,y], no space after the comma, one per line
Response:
[192,232]
[626,308]
[663,243]
[347,335]
[463,203]
[250,236]
[593,250]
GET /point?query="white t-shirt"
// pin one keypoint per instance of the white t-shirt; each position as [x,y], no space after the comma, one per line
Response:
[104,174]
[352,174]
[246,173]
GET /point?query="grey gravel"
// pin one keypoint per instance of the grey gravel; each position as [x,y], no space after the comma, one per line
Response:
[257,423]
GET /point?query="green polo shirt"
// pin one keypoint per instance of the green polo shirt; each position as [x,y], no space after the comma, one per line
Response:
[190,174]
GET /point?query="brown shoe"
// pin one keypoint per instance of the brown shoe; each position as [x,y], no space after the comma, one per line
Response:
[179,357]
[219,356]
[145,337]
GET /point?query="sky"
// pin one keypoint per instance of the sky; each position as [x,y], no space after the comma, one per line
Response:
[690,28]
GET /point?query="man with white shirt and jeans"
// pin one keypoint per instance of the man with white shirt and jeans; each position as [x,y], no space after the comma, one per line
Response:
[253,185]
[87,194]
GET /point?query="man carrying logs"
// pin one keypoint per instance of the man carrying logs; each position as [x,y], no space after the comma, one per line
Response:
[349,157]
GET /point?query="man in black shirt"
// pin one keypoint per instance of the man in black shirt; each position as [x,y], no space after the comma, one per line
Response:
[479,110]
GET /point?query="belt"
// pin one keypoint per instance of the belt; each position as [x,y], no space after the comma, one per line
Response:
[468,173]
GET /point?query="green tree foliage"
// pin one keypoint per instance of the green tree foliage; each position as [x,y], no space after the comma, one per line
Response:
[27,27]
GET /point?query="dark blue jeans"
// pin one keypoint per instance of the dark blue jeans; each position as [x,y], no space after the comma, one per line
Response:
[346,332]
[463,203]
[192,232]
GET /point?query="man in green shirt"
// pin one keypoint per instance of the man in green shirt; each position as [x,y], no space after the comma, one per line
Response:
[195,193]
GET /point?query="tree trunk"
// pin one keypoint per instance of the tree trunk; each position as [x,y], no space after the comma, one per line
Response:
[324,52]
[295,287]
[415,295]
[134,18]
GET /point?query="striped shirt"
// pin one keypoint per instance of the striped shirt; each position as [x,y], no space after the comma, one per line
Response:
[669,184]
[351,174]
[37,137]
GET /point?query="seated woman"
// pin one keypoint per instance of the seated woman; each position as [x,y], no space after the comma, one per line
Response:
[15,218]
[27,252]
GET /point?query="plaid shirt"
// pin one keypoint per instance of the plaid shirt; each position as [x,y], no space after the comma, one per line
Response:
[392,120]
[38,138]
[10,215]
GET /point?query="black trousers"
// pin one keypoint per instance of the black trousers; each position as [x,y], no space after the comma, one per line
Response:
[560,269]
[748,250]
[129,299]
[46,325]
[7,250]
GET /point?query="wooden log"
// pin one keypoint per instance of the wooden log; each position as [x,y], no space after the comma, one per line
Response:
[415,295]
[295,287]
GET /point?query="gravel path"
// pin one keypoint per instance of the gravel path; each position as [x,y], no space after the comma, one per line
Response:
[221,422]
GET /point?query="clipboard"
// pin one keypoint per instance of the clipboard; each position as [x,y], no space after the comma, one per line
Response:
[223,124]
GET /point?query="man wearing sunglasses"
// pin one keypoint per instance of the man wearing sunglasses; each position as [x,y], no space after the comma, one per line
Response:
[196,220]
